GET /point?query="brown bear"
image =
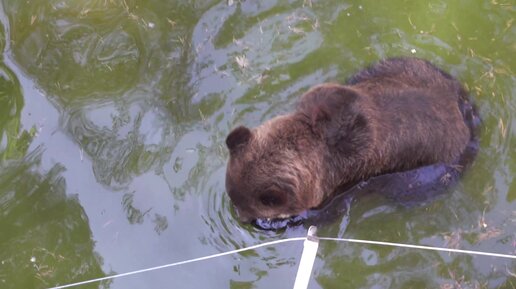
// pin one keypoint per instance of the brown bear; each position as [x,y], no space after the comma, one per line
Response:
[397,115]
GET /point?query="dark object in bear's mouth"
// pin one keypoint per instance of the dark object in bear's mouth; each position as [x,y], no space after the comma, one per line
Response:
[401,119]
[329,212]
[279,224]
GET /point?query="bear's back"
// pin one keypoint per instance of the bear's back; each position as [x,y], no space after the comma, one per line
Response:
[405,72]
[417,118]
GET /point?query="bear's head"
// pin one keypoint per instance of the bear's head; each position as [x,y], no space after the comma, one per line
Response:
[282,167]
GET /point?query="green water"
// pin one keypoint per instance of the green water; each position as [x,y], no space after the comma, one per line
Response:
[113,116]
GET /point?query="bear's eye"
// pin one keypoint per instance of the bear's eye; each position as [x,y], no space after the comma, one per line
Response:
[271,200]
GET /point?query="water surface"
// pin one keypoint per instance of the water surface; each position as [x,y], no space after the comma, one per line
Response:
[113,117]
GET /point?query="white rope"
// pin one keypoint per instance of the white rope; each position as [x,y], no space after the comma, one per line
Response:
[284,241]
[418,247]
[181,262]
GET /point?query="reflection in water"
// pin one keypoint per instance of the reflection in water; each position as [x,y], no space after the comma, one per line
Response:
[13,143]
[133,214]
[103,64]
[45,233]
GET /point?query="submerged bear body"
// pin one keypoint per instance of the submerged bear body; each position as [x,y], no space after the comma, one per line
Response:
[398,115]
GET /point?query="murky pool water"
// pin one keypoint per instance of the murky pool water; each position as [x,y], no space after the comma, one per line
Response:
[113,116]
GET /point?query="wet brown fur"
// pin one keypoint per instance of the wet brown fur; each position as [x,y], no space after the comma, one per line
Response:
[397,115]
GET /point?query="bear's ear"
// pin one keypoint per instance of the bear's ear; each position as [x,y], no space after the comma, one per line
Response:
[333,114]
[237,138]
[327,102]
